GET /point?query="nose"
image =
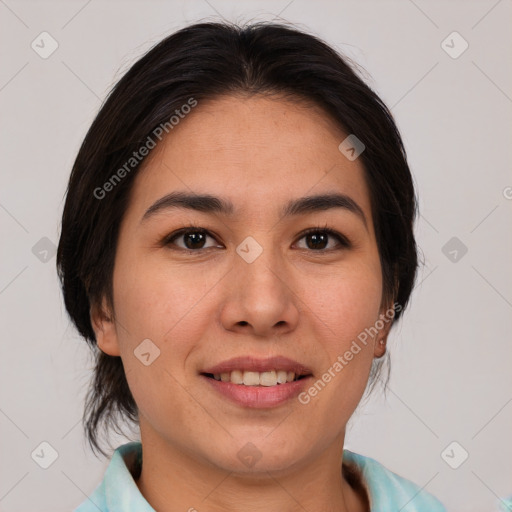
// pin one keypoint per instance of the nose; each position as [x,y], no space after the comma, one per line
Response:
[260,298]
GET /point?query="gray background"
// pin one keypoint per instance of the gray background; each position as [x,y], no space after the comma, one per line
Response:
[451,355]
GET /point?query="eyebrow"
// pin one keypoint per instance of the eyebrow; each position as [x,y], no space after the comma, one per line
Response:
[207,203]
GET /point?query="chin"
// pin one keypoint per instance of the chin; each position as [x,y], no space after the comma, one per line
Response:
[258,454]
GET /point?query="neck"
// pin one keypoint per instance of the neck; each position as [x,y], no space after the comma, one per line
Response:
[172,479]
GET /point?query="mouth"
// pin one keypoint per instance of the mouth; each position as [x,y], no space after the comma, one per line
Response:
[258,383]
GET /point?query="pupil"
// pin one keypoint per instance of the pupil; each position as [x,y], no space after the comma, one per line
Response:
[195,239]
[319,241]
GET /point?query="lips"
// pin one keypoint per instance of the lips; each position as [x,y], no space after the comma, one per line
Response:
[258,383]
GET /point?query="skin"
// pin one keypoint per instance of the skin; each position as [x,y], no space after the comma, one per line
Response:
[203,308]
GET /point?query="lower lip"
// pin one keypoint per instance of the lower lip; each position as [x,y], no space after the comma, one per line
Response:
[259,397]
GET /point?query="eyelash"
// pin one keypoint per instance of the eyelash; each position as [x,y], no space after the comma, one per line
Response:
[343,241]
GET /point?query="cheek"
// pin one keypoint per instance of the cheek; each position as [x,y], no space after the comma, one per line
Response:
[149,300]
[171,310]
[166,304]
[345,309]
[347,302]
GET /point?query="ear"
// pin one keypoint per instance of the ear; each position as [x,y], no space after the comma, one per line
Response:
[386,321]
[103,324]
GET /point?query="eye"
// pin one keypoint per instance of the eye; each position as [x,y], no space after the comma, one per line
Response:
[194,239]
[190,239]
[319,238]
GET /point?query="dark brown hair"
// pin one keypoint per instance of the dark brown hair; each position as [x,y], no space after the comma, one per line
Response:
[204,61]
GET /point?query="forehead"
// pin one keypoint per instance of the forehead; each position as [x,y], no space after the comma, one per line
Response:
[257,151]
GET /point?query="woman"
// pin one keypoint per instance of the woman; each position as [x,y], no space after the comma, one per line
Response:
[237,241]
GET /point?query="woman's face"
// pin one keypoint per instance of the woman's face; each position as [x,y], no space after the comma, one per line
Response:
[250,292]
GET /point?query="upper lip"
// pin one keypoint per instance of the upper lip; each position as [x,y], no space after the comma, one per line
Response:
[255,364]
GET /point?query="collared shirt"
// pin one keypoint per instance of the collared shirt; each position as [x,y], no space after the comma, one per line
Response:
[387,491]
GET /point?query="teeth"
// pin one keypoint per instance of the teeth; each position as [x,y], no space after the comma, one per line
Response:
[251,379]
[282,376]
[237,377]
[268,378]
[247,378]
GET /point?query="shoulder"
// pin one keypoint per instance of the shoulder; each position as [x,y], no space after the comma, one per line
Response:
[389,491]
[118,491]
